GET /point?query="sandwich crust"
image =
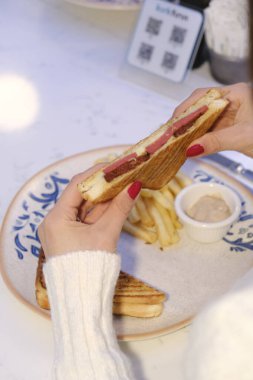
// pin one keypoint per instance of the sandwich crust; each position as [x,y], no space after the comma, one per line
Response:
[162,165]
[137,310]
[132,297]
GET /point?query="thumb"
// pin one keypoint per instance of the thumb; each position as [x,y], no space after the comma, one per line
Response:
[119,209]
[231,138]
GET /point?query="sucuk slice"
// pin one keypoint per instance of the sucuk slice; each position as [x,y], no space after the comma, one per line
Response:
[189,118]
[119,162]
[129,162]
[175,128]
[124,165]
[152,148]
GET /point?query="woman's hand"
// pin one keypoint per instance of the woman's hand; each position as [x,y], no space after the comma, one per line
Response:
[233,130]
[98,228]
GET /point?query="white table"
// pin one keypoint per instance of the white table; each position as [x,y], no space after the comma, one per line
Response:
[73,58]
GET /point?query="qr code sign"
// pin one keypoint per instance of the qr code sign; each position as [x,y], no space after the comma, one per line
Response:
[178,35]
[169,61]
[145,52]
[153,26]
[166,39]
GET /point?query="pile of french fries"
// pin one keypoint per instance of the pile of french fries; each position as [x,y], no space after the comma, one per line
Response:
[153,217]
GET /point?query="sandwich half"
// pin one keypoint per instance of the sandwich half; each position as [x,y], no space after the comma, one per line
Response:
[156,159]
[132,297]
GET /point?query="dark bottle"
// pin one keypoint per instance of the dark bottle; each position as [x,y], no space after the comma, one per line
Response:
[202,54]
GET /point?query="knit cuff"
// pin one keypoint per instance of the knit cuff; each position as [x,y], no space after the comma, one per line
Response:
[80,288]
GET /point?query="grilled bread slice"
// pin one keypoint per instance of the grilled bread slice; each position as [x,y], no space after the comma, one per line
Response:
[163,164]
[132,296]
[137,310]
[130,290]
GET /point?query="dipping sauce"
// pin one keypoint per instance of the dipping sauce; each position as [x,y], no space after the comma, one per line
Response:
[209,209]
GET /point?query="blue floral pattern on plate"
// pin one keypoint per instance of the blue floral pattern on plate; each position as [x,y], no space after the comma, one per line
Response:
[32,218]
[240,236]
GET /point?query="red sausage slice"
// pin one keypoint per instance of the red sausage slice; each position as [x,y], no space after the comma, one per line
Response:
[118,163]
[129,162]
[189,118]
[124,166]
[152,148]
[162,140]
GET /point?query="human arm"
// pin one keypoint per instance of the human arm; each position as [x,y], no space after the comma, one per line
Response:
[81,273]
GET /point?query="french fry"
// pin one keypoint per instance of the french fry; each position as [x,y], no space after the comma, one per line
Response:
[160,198]
[174,187]
[168,194]
[146,193]
[163,236]
[134,216]
[146,218]
[174,218]
[148,236]
[167,221]
[171,221]
[170,206]
[178,224]
[183,180]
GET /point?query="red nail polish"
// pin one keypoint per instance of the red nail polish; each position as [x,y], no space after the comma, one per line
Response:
[134,189]
[195,150]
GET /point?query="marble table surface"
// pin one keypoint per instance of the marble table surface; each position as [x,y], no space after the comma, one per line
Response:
[67,65]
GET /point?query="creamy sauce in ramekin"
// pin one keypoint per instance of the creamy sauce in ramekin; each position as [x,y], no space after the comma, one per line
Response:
[209,209]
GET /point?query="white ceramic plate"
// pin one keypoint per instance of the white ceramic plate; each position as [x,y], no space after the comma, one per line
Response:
[109,4]
[190,273]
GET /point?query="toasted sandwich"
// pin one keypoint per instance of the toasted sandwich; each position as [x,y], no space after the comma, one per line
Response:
[156,159]
[132,297]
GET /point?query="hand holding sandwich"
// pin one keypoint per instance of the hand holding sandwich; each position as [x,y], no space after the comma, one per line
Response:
[81,272]
[233,130]
[157,158]
[72,226]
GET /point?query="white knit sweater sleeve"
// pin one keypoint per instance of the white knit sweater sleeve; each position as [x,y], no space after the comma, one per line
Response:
[80,288]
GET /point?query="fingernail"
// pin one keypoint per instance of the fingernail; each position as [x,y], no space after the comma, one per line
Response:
[195,150]
[134,189]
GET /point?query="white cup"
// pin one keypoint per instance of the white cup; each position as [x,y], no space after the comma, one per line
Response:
[202,231]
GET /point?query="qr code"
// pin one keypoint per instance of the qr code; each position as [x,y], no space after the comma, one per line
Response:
[145,52]
[153,26]
[178,35]
[169,60]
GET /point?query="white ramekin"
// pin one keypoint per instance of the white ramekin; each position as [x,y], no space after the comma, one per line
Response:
[207,232]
